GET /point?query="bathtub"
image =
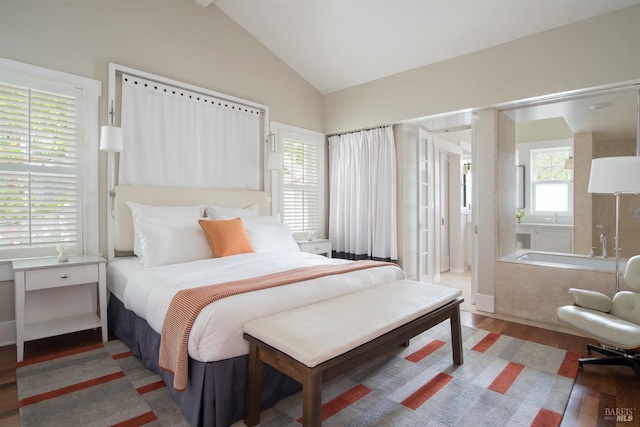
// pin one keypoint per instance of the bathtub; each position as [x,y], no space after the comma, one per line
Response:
[532,285]
[569,261]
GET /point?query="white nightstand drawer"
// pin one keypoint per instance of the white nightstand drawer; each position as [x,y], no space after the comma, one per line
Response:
[60,276]
[320,247]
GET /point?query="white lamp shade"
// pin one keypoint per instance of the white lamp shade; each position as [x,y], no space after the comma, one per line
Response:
[615,175]
[274,161]
[111,139]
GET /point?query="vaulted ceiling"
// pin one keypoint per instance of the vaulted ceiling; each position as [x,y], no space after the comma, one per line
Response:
[335,44]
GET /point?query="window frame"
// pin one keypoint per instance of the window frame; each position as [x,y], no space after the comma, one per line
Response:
[284,132]
[534,182]
[87,93]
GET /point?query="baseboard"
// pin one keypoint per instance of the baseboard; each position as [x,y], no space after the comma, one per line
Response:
[7,333]
[485,303]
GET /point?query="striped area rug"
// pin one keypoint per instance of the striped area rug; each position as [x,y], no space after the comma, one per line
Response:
[504,381]
[101,385]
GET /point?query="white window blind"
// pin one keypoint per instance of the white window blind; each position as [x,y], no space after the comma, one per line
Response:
[39,203]
[300,183]
[551,186]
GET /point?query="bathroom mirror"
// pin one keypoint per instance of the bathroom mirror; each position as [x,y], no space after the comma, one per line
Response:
[520,189]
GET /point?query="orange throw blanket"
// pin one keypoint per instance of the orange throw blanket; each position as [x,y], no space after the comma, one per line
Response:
[187,304]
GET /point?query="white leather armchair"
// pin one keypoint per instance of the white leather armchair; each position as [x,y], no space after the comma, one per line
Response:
[614,322]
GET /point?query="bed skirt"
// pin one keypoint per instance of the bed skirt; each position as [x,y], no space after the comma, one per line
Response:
[215,392]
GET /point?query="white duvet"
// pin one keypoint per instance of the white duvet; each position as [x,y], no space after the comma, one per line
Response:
[217,332]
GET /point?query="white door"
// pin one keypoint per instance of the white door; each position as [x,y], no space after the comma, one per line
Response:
[425,262]
[444,213]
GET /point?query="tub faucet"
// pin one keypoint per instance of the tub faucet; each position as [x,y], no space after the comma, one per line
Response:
[603,240]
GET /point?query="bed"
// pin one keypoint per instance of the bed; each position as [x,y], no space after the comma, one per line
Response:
[142,287]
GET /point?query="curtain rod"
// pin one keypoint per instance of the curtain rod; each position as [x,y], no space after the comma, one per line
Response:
[358,130]
[118,69]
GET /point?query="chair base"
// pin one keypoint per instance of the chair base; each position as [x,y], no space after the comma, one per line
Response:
[613,357]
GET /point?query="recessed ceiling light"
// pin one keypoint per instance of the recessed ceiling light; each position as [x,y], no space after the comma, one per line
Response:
[600,106]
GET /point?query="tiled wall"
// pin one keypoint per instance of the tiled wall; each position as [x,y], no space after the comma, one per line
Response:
[534,292]
[604,206]
[506,186]
[582,200]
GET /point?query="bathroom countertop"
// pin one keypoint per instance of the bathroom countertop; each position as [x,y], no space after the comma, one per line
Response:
[544,224]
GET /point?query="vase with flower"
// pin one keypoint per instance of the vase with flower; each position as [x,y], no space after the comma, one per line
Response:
[520,213]
[62,249]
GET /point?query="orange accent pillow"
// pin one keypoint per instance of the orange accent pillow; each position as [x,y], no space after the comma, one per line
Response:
[226,237]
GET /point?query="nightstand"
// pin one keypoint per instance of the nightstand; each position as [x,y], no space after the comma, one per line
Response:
[55,298]
[316,246]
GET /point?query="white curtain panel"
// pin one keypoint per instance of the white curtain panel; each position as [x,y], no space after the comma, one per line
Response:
[173,137]
[362,182]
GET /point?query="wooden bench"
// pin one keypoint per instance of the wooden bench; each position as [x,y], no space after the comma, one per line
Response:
[315,343]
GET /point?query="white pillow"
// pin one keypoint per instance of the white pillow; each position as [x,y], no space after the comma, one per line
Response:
[262,219]
[163,244]
[270,237]
[169,215]
[219,212]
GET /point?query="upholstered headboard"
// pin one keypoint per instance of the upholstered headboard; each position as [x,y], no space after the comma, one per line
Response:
[174,196]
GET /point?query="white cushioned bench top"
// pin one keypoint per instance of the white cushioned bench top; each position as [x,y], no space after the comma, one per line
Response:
[318,332]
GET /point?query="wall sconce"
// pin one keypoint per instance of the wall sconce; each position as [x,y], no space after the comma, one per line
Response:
[111,135]
[111,142]
[568,164]
[274,159]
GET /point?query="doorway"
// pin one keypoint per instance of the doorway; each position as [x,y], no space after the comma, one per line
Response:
[452,211]
[444,226]
[449,235]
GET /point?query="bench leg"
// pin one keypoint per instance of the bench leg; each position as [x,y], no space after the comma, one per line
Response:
[456,336]
[312,400]
[254,388]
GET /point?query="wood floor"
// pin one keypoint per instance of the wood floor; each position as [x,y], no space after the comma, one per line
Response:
[597,389]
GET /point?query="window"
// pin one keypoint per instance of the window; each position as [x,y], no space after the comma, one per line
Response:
[300,185]
[38,136]
[302,182]
[42,184]
[550,181]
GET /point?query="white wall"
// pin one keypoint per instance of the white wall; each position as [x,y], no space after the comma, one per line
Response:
[590,53]
[485,165]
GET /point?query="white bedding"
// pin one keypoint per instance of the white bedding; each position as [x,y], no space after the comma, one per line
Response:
[119,271]
[217,332]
